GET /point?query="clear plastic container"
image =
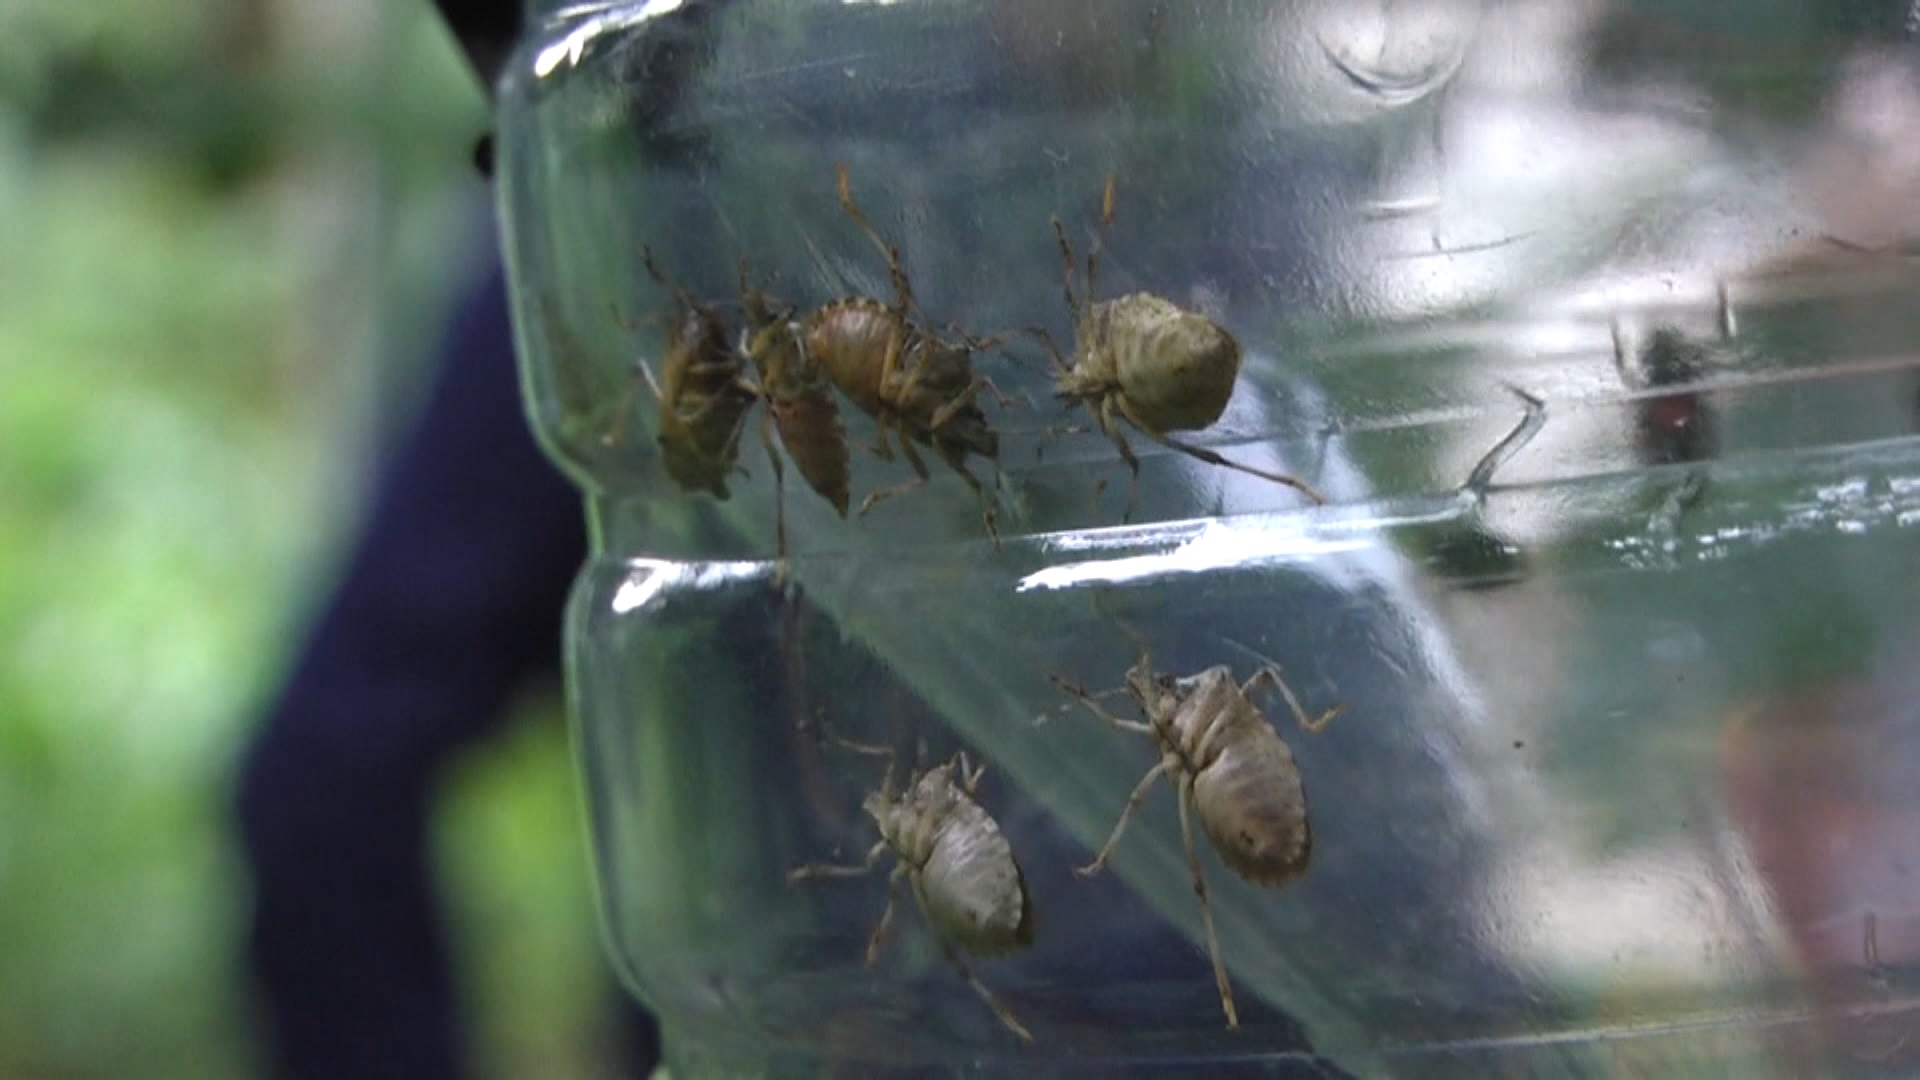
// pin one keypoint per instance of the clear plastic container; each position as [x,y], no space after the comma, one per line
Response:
[1624,780]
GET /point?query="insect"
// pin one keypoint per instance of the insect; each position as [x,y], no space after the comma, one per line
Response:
[1146,360]
[1229,767]
[704,399]
[1674,427]
[916,385]
[956,859]
[799,405]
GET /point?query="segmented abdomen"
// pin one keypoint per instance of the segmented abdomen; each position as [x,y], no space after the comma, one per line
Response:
[816,440]
[971,886]
[1176,368]
[1252,806]
[849,340]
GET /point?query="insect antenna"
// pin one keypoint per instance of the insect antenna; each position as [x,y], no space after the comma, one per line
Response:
[1099,237]
[1133,634]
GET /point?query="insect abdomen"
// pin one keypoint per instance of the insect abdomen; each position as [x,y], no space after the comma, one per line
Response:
[811,430]
[1252,806]
[1176,368]
[971,886]
[849,339]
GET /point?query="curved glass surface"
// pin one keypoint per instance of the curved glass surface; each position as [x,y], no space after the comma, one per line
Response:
[1592,322]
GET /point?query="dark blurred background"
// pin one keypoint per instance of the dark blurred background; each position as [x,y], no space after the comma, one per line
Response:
[234,229]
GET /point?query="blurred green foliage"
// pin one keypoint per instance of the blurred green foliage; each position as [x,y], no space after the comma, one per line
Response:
[232,227]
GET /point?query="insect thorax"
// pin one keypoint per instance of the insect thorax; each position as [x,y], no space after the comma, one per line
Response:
[849,340]
[911,821]
[1207,703]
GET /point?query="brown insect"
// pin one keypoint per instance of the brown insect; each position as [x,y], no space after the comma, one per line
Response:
[1230,768]
[893,367]
[800,405]
[953,854]
[1146,360]
[704,399]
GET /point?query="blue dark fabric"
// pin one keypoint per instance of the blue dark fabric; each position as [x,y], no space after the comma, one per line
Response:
[450,605]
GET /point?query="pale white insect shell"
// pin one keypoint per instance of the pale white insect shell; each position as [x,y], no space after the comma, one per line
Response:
[1246,786]
[961,866]
[1174,368]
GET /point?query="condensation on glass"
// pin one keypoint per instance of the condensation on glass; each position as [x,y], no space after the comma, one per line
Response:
[1594,323]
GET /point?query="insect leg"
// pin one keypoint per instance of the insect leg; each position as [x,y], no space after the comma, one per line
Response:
[1271,676]
[956,460]
[903,291]
[654,271]
[1000,1010]
[985,344]
[836,870]
[880,495]
[740,425]
[1206,909]
[969,773]
[623,417]
[1105,415]
[945,413]
[1090,701]
[1006,400]
[922,363]
[878,939]
[1060,364]
[861,748]
[645,372]
[881,448]
[1099,237]
[1201,453]
[714,400]
[779,482]
[1066,256]
[754,301]
[1139,796]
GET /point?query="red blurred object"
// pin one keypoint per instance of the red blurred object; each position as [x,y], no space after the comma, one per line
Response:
[1674,427]
[1822,787]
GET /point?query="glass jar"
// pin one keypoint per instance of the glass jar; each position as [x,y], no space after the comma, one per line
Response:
[1590,324]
